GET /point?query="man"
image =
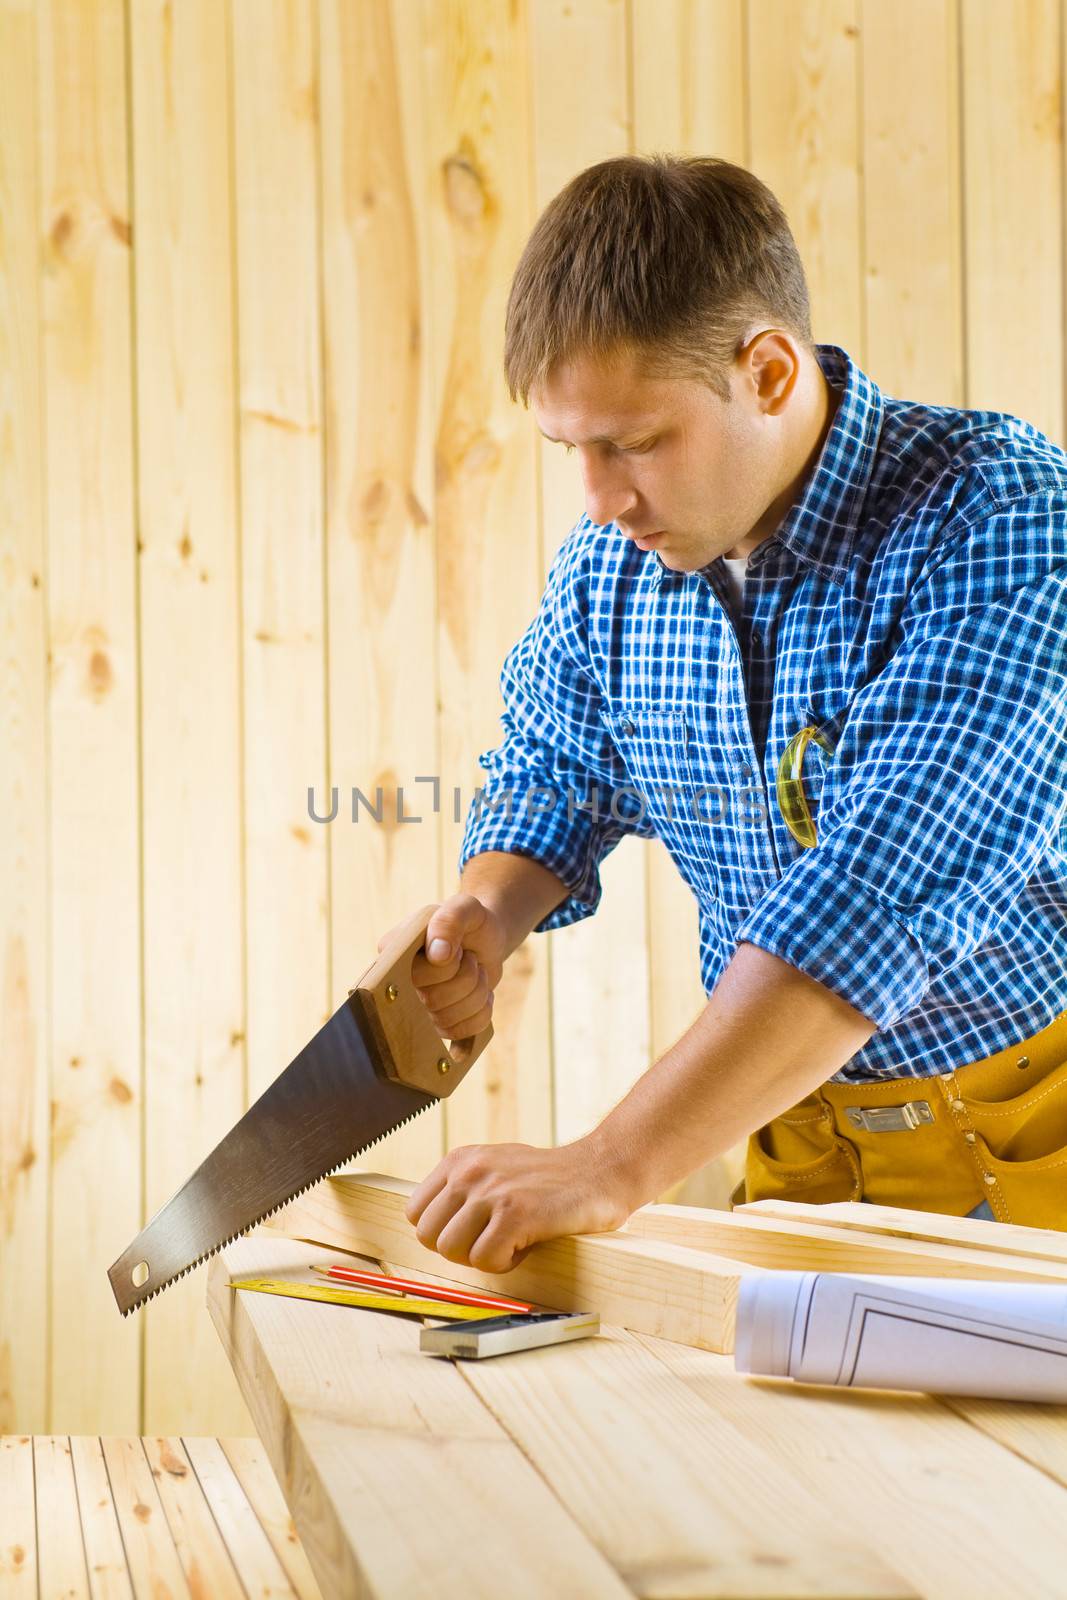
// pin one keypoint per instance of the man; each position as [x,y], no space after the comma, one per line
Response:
[856,756]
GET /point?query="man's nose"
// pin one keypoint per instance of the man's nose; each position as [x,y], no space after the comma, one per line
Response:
[608,493]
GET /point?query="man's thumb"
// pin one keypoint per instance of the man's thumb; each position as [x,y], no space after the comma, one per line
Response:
[438,949]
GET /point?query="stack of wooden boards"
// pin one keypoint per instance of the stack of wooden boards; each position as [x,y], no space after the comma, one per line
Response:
[674,1271]
[639,1462]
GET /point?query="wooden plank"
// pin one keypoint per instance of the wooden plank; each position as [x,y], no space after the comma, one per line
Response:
[688,74]
[105,1558]
[253,1471]
[61,1567]
[378,489]
[639,1461]
[95,983]
[191,726]
[250,1551]
[24,1043]
[804,143]
[911,198]
[975,1233]
[806,1246]
[1038,1433]
[947,1507]
[682,1294]
[18,1536]
[473,61]
[600,967]
[401,1482]
[151,1554]
[202,1548]
[275,108]
[1013,206]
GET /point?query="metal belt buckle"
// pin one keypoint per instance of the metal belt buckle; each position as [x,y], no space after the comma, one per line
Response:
[890,1119]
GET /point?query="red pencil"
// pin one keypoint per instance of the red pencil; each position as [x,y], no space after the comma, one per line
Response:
[463,1297]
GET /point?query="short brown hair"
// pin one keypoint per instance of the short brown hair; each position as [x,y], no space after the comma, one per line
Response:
[672,256]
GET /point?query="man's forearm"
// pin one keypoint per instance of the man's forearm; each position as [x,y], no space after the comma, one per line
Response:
[768,1036]
[518,889]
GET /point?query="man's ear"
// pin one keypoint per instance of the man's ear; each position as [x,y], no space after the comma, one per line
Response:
[770,367]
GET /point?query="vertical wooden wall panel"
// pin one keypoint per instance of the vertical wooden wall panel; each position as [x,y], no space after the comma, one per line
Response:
[478,160]
[379,497]
[191,724]
[95,823]
[689,88]
[1013,208]
[600,1022]
[24,787]
[275,94]
[699,50]
[911,165]
[804,142]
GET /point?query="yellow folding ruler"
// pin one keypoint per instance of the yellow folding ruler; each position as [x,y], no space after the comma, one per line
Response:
[334,1295]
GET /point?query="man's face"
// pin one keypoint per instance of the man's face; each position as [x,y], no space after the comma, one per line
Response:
[680,471]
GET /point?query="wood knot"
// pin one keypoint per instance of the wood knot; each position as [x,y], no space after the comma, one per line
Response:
[60,233]
[466,192]
[172,1463]
[120,1091]
[100,674]
[375,502]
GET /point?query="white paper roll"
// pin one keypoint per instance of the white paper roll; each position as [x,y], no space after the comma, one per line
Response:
[1002,1341]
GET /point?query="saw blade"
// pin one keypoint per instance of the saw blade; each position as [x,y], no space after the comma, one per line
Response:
[327,1106]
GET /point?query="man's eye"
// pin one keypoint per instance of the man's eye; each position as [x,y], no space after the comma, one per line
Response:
[622,450]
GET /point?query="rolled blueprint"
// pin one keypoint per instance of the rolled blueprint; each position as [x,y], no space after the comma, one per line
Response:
[1005,1341]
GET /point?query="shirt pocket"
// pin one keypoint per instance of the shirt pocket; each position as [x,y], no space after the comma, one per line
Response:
[653,745]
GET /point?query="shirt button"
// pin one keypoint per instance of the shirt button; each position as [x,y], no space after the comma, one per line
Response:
[627,728]
[757,637]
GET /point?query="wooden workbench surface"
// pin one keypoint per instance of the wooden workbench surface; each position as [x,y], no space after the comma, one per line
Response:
[626,1465]
[145,1519]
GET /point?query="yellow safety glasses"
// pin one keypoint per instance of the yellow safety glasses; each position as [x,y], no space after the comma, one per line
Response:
[789,785]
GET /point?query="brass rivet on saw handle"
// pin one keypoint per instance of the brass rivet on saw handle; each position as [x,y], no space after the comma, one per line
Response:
[443,1065]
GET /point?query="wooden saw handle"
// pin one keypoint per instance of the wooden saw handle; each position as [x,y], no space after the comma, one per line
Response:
[412,1051]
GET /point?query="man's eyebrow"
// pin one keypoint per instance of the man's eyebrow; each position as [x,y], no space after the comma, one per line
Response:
[603,438]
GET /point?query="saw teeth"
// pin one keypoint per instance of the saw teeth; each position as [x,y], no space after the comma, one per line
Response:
[144,1299]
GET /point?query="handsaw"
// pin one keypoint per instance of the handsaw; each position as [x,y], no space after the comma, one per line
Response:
[373,1066]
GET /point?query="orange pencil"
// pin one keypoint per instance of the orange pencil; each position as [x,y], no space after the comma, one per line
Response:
[463,1297]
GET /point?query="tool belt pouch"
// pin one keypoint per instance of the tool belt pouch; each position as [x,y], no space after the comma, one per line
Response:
[1020,1136]
[799,1156]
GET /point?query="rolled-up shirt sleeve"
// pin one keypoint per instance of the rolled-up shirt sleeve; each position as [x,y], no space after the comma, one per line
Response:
[556,789]
[947,788]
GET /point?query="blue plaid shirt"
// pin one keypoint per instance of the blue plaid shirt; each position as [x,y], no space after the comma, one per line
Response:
[912,605]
